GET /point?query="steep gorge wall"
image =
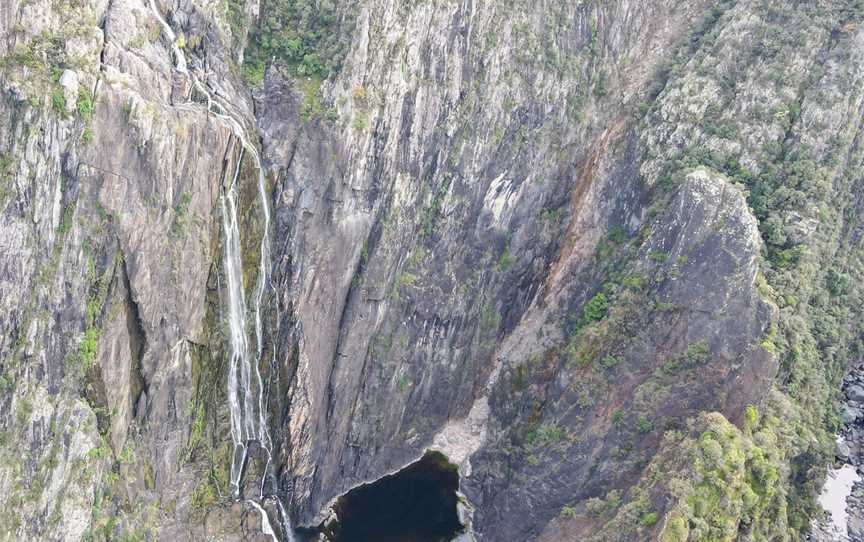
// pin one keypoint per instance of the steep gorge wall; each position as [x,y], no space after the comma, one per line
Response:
[565,244]
[111,250]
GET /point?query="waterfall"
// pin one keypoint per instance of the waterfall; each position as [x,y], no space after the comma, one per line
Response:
[239,371]
[266,528]
[245,385]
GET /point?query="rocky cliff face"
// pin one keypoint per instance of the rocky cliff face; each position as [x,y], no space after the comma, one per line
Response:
[595,264]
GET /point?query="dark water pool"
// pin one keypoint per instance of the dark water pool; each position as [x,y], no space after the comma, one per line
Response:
[416,504]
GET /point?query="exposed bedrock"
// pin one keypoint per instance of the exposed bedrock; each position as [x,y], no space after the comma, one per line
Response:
[540,270]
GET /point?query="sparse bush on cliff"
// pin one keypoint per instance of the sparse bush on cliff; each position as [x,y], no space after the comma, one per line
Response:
[595,309]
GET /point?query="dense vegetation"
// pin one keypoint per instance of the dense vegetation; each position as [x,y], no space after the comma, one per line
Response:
[758,480]
[310,37]
[811,271]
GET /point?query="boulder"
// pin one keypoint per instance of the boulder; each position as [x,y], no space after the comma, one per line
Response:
[69,82]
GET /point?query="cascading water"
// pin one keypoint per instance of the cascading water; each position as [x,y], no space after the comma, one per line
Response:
[239,372]
[245,385]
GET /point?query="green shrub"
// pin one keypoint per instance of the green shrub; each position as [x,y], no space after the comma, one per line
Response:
[597,506]
[610,361]
[84,105]
[633,282]
[310,106]
[676,530]
[696,355]
[361,121]
[751,415]
[58,101]
[87,348]
[254,70]
[545,435]
[649,519]
[66,220]
[99,451]
[644,425]
[406,279]
[196,432]
[595,309]
[94,310]
[617,234]
[205,495]
[568,512]
[657,256]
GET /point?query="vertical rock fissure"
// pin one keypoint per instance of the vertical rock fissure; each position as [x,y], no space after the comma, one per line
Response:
[245,384]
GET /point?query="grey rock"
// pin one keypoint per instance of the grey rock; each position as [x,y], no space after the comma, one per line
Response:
[855,393]
[434,248]
[69,82]
[842,451]
[849,413]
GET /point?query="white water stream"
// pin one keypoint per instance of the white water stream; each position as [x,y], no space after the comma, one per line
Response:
[245,386]
[838,487]
[833,499]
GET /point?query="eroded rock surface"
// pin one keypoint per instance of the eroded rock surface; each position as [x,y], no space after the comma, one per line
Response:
[604,256]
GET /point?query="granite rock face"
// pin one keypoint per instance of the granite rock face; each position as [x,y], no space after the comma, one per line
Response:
[542,239]
[110,236]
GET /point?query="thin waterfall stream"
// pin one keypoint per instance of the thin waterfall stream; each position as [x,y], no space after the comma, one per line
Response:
[245,386]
